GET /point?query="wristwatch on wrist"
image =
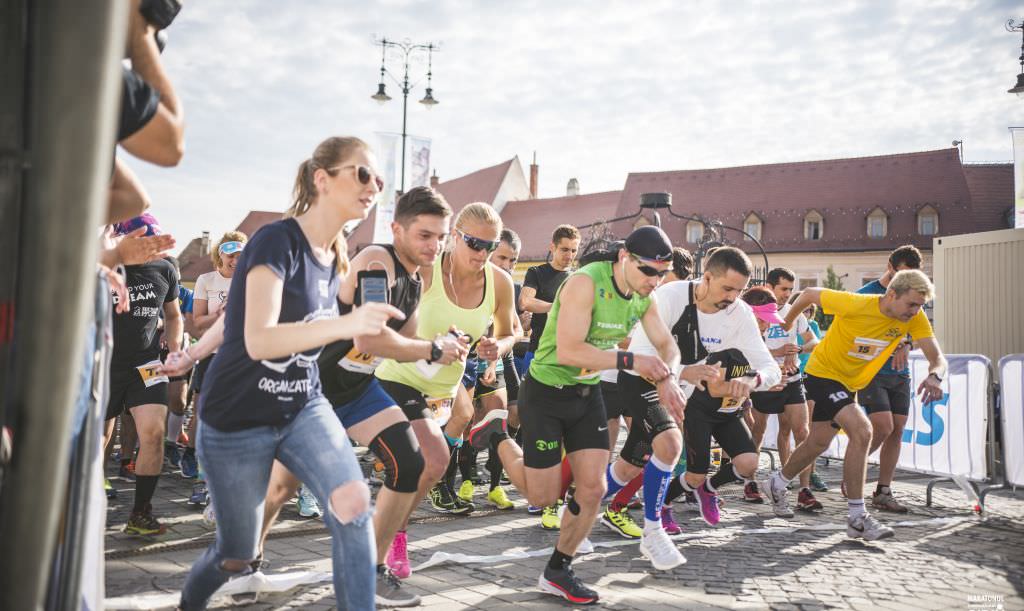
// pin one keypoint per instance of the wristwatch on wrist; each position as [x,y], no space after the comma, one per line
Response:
[436,352]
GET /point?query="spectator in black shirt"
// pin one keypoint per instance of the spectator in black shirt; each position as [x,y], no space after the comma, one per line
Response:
[543,281]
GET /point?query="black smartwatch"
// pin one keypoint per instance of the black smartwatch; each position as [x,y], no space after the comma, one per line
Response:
[436,352]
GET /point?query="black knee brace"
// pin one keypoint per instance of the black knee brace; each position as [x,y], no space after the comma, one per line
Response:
[397,448]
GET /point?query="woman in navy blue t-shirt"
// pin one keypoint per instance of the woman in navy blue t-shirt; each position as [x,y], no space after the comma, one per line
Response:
[261,396]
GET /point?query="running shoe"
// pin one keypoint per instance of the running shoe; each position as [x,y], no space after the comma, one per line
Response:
[108,488]
[549,518]
[499,498]
[143,523]
[463,506]
[708,505]
[805,501]
[443,500]
[466,490]
[258,564]
[668,521]
[307,503]
[390,592]
[493,422]
[887,502]
[586,546]
[127,470]
[189,464]
[534,510]
[751,494]
[566,584]
[209,517]
[398,556]
[690,501]
[621,523]
[200,497]
[866,527]
[777,498]
[660,550]
[818,484]
[172,454]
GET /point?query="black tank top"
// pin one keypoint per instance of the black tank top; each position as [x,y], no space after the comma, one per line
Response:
[344,371]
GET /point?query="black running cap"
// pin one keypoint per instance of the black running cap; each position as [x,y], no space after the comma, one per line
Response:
[649,242]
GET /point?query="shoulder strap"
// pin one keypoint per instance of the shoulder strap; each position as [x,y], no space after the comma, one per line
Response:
[691,349]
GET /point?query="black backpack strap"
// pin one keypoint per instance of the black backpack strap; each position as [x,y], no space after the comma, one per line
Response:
[691,349]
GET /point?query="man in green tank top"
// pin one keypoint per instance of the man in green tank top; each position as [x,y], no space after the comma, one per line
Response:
[560,399]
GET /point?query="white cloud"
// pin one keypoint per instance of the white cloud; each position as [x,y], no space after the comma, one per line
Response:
[597,89]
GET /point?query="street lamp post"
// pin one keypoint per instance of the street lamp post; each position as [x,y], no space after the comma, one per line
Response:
[407,48]
[1019,87]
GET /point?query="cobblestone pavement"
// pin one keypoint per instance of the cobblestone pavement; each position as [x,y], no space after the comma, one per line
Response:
[943,557]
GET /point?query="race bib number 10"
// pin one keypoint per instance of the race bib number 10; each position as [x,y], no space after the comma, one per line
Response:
[359,362]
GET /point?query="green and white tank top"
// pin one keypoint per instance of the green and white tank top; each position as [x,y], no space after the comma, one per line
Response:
[611,319]
[436,315]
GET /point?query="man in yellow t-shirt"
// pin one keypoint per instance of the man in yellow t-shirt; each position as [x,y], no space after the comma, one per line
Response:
[864,333]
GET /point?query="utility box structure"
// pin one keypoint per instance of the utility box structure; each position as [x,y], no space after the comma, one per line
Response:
[979,284]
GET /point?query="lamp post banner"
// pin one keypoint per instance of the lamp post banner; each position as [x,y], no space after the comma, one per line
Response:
[419,161]
[1011,384]
[1018,176]
[944,437]
[387,156]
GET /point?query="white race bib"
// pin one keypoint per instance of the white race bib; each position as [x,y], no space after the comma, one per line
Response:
[867,349]
[149,374]
[360,362]
[440,409]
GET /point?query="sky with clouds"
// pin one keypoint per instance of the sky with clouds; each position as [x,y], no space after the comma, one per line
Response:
[597,89]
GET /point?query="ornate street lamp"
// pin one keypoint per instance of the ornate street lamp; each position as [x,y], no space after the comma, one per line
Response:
[1019,87]
[407,48]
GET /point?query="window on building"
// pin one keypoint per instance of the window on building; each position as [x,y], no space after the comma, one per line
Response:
[752,225]
[694,231]
[878,222]
[803,283]
[927,221]
[814,225]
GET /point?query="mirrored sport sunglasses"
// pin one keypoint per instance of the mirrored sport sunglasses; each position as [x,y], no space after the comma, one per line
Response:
[363,174]
[230,248]
[647,270]
[479,244]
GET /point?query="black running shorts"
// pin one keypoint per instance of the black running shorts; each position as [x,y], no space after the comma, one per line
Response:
[829,397]
[613,406]
[413,403]
[571,417]
[702,423]
[483,388]
[886,393]
[649,418]
[127,390]
[776,402]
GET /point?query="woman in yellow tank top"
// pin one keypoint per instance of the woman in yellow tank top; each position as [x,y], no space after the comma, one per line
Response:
[465,292]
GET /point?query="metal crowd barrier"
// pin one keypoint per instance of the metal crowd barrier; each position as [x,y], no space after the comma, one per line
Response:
[1011,387]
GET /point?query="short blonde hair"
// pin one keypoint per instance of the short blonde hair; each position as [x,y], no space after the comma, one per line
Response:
[231,236]
[480,213]
[912,280]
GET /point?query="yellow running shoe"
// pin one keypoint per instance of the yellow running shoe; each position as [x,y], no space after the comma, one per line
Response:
[466,490]
[622,523]
[499,499]
[549,519]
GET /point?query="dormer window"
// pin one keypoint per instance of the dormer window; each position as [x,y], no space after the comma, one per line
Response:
[814,225]
[927,221]
[752,225]
[878,223]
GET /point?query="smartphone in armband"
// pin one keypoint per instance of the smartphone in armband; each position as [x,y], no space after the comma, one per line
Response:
[372,286]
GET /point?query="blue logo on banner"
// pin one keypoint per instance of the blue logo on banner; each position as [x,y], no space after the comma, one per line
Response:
[930,414]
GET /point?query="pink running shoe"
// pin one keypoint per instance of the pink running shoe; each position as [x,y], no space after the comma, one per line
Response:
[668,521]
[398,556]
[708,505]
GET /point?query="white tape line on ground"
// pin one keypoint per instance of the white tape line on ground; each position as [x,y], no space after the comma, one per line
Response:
[281,582]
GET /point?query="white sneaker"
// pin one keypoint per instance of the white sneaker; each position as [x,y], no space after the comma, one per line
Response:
[866,527]
[308,506]
[656,546]
[585,547]
[208,516]
[776,497]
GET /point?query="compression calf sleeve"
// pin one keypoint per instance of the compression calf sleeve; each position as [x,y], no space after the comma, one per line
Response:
[612,480]
[725,475]
[624,496]
[145,486]
[656,480]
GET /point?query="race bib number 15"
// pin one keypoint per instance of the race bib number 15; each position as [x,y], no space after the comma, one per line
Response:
[867,349]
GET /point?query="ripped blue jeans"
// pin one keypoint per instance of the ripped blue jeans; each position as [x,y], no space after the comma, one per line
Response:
[316,449]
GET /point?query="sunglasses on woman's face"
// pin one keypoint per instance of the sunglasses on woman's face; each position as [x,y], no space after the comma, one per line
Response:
[363,175]
[647,270]
[479,244]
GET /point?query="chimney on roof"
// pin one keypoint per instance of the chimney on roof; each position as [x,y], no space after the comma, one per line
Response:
[534,169]
[204,244]
[573,188]
[434,180]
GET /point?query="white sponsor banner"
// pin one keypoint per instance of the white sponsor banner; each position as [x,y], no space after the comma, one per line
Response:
[1011,383]
[388,151]
[1017,134]
[419,163]
[945,437]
